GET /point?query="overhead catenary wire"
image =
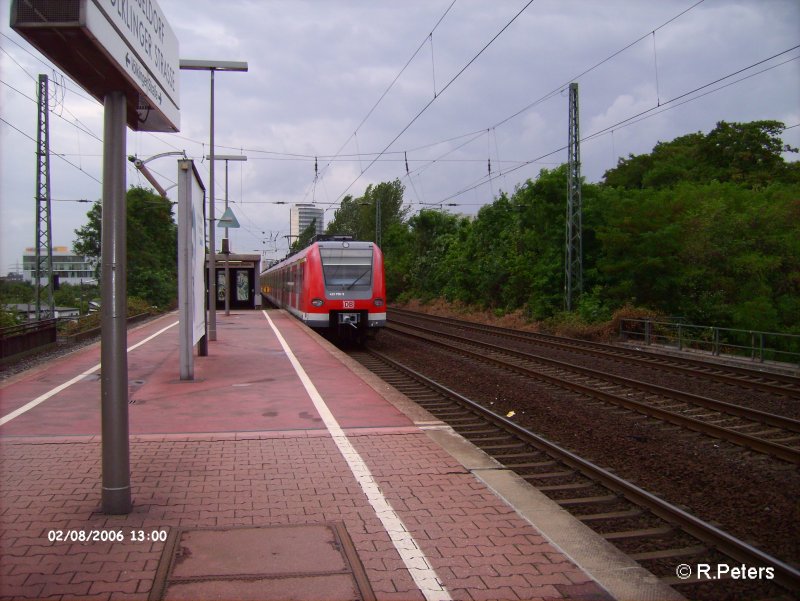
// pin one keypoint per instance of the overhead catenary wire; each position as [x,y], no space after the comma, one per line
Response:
[337,156]
[32,139]
[444,88]
[641,116]
[390,86]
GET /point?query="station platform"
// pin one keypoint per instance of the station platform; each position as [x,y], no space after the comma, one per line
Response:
[284,470]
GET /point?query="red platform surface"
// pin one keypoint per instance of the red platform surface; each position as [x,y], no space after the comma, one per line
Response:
[244,446]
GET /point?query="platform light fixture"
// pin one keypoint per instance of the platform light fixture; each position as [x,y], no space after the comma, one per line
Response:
[212,67]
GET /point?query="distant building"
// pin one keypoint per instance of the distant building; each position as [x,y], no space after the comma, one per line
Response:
[301,216]
[69,267]
[28,311]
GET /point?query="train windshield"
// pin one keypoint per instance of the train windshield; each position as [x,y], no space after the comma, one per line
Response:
[347,267]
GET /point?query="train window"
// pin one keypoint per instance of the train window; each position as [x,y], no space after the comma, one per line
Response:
[347,267]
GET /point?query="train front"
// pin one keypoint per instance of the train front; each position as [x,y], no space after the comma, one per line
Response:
[354,287]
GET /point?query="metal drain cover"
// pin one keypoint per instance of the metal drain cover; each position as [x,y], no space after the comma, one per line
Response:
[270,563]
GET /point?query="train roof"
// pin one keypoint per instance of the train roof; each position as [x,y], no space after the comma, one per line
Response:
[336,242]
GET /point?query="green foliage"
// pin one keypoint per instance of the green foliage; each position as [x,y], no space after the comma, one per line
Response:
[13,292]
[7,319]
[704,227]
[748,154]
[151,245]
[136,306]
[78,296]
[305,237]
[356,216]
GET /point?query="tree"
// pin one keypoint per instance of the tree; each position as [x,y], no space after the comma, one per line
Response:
[151,245]
[356,216]
[748,154]
[305,237]
[346,218]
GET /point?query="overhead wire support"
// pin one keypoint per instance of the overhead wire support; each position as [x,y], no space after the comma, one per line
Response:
[573,263]
[44,242]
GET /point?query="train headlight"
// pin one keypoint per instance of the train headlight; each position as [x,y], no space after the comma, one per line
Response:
[317,302]
[378,302]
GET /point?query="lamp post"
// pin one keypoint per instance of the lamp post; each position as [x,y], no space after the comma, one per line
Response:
[227,245]
[212,66]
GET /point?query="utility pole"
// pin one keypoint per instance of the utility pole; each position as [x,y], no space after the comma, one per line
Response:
[44,264]
[573,263]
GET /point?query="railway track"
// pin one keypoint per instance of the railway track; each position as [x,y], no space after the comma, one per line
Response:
[770,382]
[658,534]
[759,431]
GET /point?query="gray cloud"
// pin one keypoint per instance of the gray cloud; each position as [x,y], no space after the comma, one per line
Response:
[317,67]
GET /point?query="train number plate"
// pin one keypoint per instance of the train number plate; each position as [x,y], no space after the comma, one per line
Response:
[348,304]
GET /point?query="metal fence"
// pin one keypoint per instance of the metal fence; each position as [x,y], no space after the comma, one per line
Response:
[25,337]
[754,345]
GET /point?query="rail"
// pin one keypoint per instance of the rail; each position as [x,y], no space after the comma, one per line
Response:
[785,574]
[755,345]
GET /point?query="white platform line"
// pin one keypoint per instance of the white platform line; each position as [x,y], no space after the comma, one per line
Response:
[50,393]
[410,552]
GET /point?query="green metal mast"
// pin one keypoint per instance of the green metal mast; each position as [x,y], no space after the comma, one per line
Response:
[573,264]
[44,242]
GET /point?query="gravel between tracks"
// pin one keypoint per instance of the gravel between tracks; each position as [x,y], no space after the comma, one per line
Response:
[750,495]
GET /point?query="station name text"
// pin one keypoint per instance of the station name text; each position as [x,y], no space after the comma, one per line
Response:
[148,26]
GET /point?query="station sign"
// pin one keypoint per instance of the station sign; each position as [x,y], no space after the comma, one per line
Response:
[110,45]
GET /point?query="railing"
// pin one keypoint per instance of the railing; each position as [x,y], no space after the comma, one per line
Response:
[755,345]
[26,337]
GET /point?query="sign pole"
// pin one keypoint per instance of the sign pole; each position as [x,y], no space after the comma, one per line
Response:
[116,493]
[212,253]
[185,266]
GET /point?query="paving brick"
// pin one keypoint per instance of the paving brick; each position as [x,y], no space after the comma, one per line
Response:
[66,590]
[504,592]
[38,578]
[479,546]
[546,579]
[113,587]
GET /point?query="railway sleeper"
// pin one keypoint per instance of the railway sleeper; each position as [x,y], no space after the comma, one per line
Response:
[457,416]
[610,515]
[640,533]
[545,475]
[481,429]
[694,579]
[572,486]
[794,438]
[502,437]
[668,553]
[526,465]
[433,404]
[587,500]
[500,447]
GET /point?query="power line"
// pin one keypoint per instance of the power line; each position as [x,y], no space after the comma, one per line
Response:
[446,86]
[651,112]
[53,153]
[386,91]
[552,93]
[84,129]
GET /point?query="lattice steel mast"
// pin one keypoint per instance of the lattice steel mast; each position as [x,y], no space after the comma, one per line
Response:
[573,263]
[44,242]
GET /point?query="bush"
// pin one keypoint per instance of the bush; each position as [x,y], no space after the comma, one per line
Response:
[136,306]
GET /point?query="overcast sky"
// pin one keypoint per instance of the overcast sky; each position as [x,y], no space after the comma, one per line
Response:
[317,67]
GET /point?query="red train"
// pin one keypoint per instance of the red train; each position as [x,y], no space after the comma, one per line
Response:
[336,284]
